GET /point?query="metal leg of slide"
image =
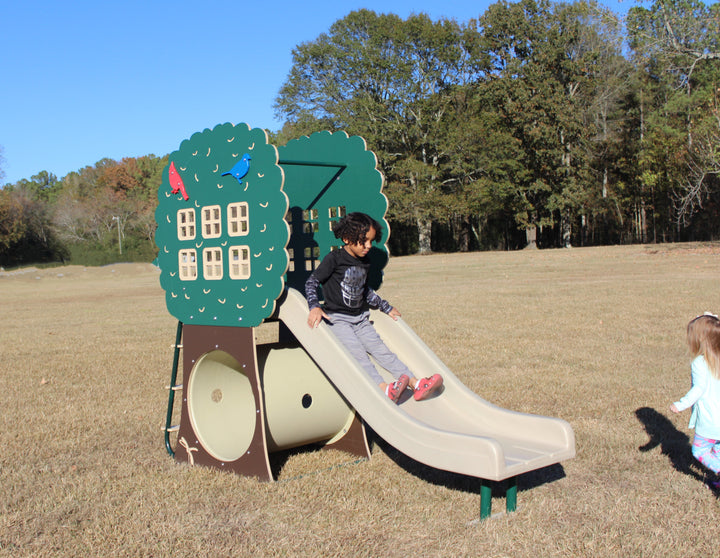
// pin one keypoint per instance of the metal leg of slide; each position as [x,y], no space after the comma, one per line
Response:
[485,499]
[511,495]
[171,394]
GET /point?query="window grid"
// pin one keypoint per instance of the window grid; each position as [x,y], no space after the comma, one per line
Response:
[291,258]
[335,214]
[211,221]
[310,221]
[312,255]
[187,265]
[212,263]
[237,216]
[186,224]
[239,262]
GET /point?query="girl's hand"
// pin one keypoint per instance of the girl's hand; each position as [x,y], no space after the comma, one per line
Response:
[394,313]
[674,409]
[316,316]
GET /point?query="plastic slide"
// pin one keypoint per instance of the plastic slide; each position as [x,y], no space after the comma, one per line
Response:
[456,431]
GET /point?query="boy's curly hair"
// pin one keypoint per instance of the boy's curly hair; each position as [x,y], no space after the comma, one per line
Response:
[353,228]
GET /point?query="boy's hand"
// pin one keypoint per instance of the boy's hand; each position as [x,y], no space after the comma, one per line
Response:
[394,313]
[674,409]
[316,316]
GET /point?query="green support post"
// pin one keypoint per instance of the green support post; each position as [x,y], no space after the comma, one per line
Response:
[171,394]
[511,495]
[485,499]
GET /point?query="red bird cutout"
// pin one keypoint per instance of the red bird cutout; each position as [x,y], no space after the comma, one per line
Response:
[176,182]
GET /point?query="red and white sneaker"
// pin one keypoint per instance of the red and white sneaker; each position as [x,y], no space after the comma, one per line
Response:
[394,390]
[427,386]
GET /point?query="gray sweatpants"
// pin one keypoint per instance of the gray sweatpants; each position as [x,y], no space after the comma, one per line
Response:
[359,337]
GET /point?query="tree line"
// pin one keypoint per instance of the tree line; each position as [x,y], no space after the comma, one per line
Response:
[536,124]
[97,215]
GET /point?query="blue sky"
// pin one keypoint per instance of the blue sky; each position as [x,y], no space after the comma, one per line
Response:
[85,80]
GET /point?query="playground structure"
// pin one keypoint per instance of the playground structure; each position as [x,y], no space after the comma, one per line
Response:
[241,225]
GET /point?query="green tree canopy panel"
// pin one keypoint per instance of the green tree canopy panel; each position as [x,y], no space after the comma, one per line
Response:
[327,176]
[221,232]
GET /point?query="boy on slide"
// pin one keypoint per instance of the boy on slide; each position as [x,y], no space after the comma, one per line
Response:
[348,299]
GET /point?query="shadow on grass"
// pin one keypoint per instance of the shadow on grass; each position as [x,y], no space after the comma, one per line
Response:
[673,443]
[453,481]
[464,483]
[280,458]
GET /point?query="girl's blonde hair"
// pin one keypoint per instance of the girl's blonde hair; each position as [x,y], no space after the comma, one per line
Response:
[703,337]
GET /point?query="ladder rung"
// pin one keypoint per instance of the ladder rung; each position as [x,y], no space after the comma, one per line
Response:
[171,429]
[176,346]
[178,387]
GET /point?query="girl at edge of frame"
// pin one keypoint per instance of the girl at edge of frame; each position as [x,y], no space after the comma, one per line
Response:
[703,338]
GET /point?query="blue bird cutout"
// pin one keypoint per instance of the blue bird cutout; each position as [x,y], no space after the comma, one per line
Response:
[240,169]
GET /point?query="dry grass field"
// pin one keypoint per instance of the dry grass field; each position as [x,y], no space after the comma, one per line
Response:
[595,336]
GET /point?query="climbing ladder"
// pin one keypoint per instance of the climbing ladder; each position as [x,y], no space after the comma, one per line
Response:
[172,388]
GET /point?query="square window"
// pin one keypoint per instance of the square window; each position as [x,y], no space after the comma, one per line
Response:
[312,253]
[187,265]
[238,224]
[211,222]
[186,224]
[309,228]
[212,264]
[335,214]
[239,262]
